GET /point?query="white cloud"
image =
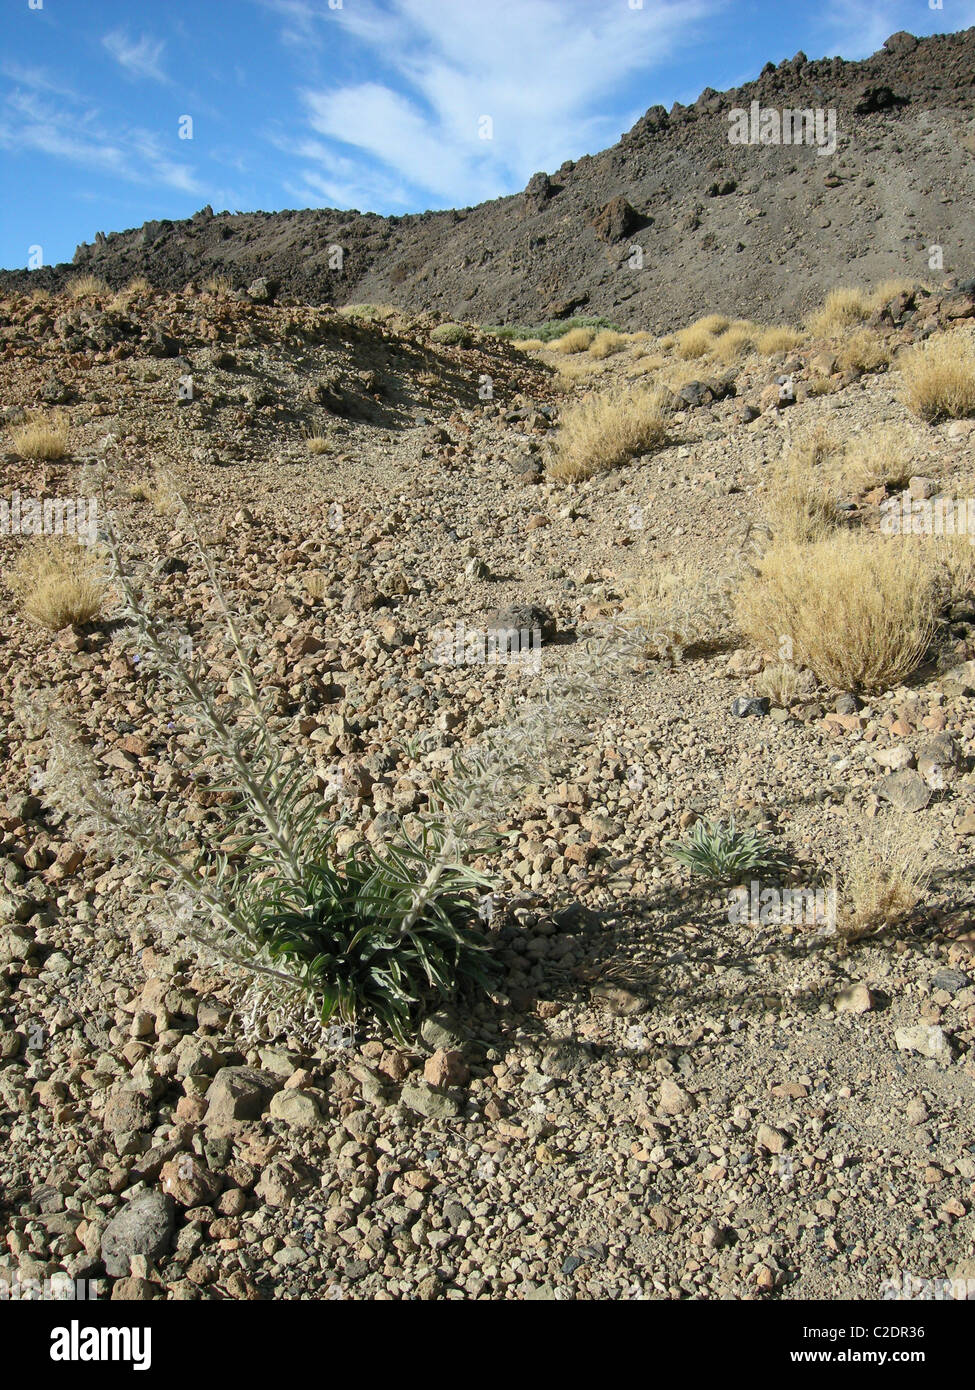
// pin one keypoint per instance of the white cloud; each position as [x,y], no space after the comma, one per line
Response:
[540,69]
[131,153]
[138,58]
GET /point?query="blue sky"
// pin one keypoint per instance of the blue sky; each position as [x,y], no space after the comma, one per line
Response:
[372,104]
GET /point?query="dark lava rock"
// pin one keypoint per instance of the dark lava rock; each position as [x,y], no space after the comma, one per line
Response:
[616,220]
[522,617]
[746,705]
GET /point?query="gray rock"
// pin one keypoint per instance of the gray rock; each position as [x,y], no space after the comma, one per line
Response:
[126,1110]
[951,981]
[750,706]
[905,790]
[296,1108]
[144,1227]
[424,1100]
[442,1031]
[238,1093]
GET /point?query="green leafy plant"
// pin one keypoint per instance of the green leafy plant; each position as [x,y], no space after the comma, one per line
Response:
[724,853]
[381,930]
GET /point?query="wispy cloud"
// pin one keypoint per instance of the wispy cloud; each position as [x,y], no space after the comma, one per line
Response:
[540,70]
[137,57]
[29,122]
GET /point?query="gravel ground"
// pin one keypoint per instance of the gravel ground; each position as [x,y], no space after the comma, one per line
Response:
[655,1102]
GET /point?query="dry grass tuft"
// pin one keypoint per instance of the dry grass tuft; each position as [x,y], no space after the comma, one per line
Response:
[59,582]
[220,285]
[955,557]
[86,287]
[602,431]
[882,879]
[576,340]
[878,455]
[863,351]
[781,339]
[738,340]
[527,344]
[138,285]
[938,378]
[802,505]
[159,490]
[317,444]
[779,683]
[694,341]
[679,605]
[42,437]
[860,611]
[842,309]
[607,343]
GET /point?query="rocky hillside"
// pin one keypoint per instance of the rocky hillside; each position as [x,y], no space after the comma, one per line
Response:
[657,1100]
[756,230]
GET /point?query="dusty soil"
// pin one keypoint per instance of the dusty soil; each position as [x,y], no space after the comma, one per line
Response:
[655,1101]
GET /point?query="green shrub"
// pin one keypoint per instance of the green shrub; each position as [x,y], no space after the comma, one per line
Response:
[453,334]
[724,853]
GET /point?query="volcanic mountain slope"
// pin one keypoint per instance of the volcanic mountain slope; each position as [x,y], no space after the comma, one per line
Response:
[743,229]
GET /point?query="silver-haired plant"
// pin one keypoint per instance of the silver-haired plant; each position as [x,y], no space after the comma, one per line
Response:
[379,929]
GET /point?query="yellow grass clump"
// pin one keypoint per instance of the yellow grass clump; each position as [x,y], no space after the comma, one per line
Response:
[527,344]
[879,455]
[86,287]
[781,339]
[138,285]
[863,351]
[802,505]
[860,611]
[694,341]
[59,582]
[882,879]
[42,437]
[737,341]
[938,378]
[842,309]
[606,343]
[602,431]
[576,340]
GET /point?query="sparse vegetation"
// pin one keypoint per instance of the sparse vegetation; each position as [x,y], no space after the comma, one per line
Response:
[939,377]
[451,334]
[602,431]
[42,437]
[59,582]
[86,287]
[801,504]
[882,454]
[860,611]
[882,880]
[864,351]
[724,853]
[782,339]
[843,309]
